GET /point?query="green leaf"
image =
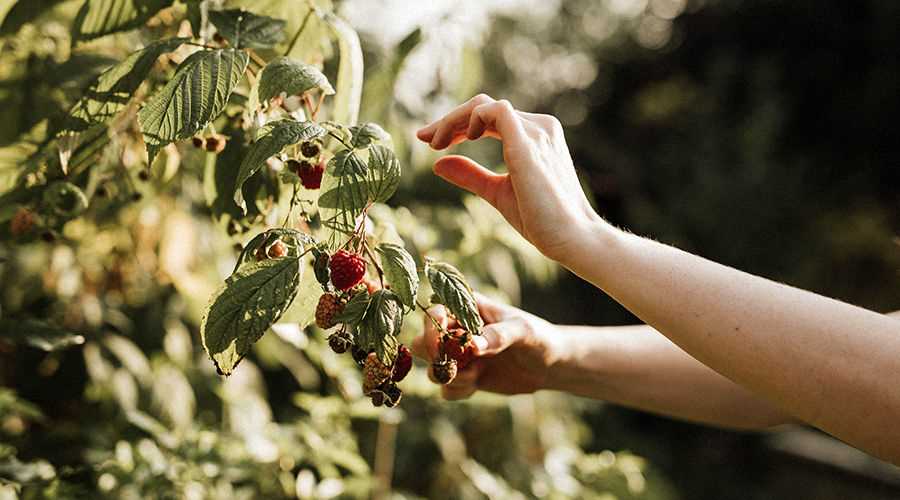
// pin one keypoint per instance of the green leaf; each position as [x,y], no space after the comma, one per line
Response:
[344,192]
[381,325]
[195,95]
[400,270]
[355,309]
[97,18]
[350,71]
[292,78]
[112,90]
[274,137]
[245,29]
[39,334]
[22,12]
[302,310]
[366,134]
[251,300]
[383,174]
[454,293]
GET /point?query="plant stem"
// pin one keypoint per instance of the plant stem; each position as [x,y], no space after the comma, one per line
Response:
[374,262]
[436,323]
[299,31]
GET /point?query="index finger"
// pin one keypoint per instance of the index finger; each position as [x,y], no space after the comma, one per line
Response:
[458,116]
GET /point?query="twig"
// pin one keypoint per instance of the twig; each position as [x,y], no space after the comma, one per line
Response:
[374,262]
[299,31]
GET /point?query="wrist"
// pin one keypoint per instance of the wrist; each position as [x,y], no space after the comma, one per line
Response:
[592,241]
[563,368]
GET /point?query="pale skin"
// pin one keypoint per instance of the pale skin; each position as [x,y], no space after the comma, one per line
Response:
[720,346]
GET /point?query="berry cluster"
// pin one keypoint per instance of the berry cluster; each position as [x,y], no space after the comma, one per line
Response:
[344,273]
[456,352]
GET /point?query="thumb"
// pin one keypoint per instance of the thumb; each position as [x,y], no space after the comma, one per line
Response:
[469,175]
[496,338]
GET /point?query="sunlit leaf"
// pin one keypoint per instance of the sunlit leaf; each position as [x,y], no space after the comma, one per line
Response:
[368,133]
[350,72]
[195,95]
[246,29]
[274,137]
[249,303]
[292,78]
[354,310]
[400,270]
[383,174]
[381,325]
[454,293]
[102,17]
[112,90]
[344,192]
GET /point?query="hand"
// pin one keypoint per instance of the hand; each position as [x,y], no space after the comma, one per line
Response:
[540,196]
[513,355]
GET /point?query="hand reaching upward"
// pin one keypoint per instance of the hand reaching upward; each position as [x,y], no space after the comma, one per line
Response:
[540,195]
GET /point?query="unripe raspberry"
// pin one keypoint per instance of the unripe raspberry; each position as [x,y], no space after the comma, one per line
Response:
[444,371]
[310,149]
[329,307]
[347,269]
[374,373]
[403,364]
[339,342]
[458,347]
[277,250]
[21,222]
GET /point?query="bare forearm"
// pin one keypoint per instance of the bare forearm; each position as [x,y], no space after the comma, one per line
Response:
[636,366]
[830,364]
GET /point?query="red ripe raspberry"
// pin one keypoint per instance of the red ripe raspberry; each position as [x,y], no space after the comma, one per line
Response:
[374,373]
[21,222]
[330,305]
[403,364]
[311,175]
[444,371]
[457,346]
[347,269]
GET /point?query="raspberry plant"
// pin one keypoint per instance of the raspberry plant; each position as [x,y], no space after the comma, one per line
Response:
[284,156]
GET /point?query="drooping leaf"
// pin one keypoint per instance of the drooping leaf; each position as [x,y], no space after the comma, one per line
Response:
[112,90]
[383,173]
[292,78]
[97,18]
[344,192]
[39,334]
[246,29]
[195,95]
[350,71]
[368,133]
[251,300]
[454,293]
[21,12]
[274,137]
[297,242]
[354,310]
[400,270]
[381,325]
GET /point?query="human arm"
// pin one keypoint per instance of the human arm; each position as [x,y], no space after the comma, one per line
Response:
[828,363]
[633,366]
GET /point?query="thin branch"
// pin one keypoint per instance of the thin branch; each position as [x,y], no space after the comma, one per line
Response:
[299,31]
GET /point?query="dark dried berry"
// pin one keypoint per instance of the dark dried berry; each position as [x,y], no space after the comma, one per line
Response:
[359,354]
[329,307]
[277,250]
[136,196]
[144,175]
[101,192]
[310,149]
[293,166]
[393,393]
[378,398]
[215,144]
[444,371]
[198,142]
[339,342]
[402,364]
[48,236]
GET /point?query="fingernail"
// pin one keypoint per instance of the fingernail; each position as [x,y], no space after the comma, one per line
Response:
[481,343]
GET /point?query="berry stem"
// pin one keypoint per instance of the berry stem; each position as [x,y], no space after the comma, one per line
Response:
[374,262]
[299,31]
[434,321]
